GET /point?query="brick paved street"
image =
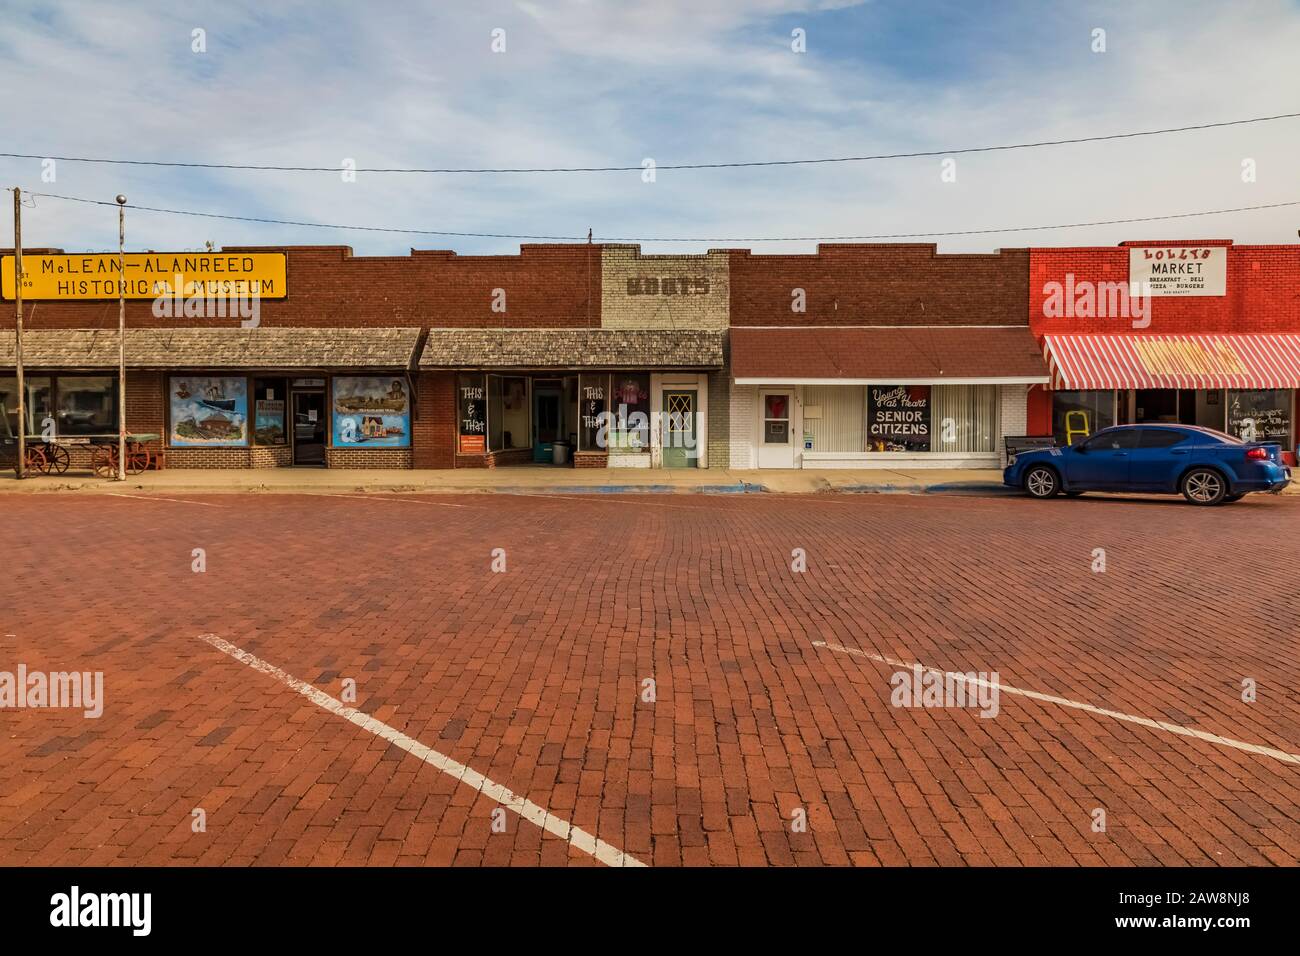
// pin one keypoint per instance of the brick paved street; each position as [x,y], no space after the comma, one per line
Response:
[534,679]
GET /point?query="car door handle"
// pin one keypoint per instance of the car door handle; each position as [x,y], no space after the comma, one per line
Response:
[1178,451]
[1121,454]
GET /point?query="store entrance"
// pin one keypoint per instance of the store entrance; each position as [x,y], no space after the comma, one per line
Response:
[308,427]
[1182,406]
[555,416]
[548,428]
[1156,405]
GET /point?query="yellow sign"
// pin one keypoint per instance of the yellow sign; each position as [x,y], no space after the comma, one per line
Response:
[1162,357]
[207,275]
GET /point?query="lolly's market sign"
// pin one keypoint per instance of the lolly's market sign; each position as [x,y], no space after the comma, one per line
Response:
[1178,270]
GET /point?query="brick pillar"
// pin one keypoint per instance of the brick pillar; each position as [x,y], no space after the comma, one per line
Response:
[146,394]
[433,432]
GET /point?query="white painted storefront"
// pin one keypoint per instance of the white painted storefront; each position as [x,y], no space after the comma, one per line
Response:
[825,425]
[663,425]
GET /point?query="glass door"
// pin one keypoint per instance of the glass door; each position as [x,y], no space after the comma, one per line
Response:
[309,427]
[679,450]
[776,439]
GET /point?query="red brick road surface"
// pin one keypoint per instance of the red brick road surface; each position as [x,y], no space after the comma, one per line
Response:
[534,678]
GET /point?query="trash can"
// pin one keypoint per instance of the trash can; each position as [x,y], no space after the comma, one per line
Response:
[560,453]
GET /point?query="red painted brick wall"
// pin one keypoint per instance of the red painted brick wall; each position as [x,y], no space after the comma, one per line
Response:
[1263,291]
[885,284]
[552,286]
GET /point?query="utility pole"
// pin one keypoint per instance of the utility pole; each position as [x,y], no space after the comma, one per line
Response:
[121,337]
[18,333]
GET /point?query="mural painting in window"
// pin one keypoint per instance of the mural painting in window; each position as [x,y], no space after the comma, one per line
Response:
[371,411]
[208,411]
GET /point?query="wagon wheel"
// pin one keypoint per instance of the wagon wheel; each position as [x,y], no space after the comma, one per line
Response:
[104,461]
[58,458]
[137,459]
[36,460]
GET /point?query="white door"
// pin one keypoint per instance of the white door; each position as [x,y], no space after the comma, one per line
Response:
[775,429]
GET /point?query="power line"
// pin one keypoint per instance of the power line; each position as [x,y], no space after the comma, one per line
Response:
[648,239]
[638,168]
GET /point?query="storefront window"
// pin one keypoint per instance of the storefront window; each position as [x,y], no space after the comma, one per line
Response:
[593,403]
[471,414]
[268,412]
[834,417]
[630,413]
[964,418]
[507,412]
[87,405]
[37,405]
[208,411]
[898,418]
[1076,415]
[371,411]
[1261,415]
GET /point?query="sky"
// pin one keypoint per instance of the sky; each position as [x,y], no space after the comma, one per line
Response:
[592,83]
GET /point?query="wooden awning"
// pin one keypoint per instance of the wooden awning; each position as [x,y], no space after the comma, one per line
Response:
[260,348]
[610,349]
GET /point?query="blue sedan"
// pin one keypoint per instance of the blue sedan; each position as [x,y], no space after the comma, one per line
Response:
[1207,467]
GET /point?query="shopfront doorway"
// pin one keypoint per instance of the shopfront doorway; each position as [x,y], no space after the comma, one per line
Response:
[1179,406]
[679,439]
[776,434]
[309,414]
[548,417]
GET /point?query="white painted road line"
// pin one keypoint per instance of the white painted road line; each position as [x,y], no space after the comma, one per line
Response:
[1281,755]
[405,501]
[179,501]
[603,852]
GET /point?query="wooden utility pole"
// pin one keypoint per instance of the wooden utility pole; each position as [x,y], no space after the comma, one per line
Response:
[21,464]
[121,338]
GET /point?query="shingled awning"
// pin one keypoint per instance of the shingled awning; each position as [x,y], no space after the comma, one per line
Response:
[572,349]
[893,355]
[260,348]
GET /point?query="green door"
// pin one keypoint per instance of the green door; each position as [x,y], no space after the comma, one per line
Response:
[679,450]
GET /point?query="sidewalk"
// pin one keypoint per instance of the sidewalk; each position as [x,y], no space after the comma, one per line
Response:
[519,480]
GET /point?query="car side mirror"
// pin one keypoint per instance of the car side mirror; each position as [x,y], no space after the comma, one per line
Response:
[1080,448]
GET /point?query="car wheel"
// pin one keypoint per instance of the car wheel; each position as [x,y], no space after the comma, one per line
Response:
[1229,499]
[1204,486]
[1041,482]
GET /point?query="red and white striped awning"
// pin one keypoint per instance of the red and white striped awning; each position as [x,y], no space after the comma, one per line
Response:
[1173,361]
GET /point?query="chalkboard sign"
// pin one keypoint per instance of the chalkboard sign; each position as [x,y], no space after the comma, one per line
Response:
[471,393]
[898,418]
[593,401]
[1260,415]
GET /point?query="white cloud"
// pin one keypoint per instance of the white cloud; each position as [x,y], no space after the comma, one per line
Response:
[587,83]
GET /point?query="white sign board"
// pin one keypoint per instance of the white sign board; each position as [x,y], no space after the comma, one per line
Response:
[1178,270]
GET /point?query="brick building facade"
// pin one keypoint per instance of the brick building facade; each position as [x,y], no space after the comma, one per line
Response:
[379,396]
[855,356]
[878,356]
[1215,343]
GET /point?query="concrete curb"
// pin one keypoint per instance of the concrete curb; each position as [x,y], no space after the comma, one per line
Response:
[111,488]
[973,488]
[817,487]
